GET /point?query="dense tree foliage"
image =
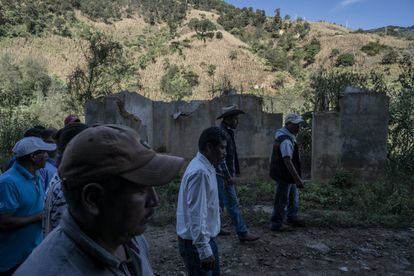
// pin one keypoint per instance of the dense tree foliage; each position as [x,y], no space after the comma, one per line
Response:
[105,69]
[20,84]
[178,83]
[204,28]
[311,50]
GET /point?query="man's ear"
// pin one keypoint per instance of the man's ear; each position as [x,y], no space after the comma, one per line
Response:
[92,197]
[209,147]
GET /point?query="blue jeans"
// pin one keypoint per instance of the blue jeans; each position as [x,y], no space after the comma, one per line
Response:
[228,198]
[192,261]
[286,204]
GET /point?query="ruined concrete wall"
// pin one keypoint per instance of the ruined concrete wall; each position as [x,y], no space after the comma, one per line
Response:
[130,109]
[175,127]
[254,136]
[326,145]
[353,139]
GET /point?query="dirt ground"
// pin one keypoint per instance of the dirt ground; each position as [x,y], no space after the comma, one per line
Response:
[305,251]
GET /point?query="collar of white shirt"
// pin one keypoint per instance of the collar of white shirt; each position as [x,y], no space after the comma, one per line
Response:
[206,162]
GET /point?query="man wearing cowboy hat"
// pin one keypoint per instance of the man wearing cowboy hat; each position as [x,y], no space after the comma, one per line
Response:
[228,169]
[285,169]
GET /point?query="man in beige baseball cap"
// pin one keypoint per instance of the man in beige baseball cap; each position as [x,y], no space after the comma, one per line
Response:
[108,174]
[285,169]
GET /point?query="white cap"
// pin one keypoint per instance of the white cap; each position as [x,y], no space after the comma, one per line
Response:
[293,118]
[29,145]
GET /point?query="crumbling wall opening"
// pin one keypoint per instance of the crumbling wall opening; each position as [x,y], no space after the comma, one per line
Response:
[353,139]
[174,127]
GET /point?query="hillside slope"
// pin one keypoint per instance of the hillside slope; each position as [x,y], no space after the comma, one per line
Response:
[233,59]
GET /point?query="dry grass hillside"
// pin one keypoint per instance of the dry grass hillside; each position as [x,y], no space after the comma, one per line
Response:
[337,37]
[246,71]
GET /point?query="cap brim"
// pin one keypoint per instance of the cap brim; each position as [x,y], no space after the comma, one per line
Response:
[159,171]
[297,121]
[48,147]
[231,113]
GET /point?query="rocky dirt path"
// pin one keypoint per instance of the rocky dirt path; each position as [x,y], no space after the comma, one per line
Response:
[306,251]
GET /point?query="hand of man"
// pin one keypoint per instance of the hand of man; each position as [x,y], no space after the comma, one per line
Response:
[300,183]
[229,181]
[208,263]
[39,217]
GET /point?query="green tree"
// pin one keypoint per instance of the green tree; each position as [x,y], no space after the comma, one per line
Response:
[204,28]
[106,68]
[311,50]
[277,59]
[20,84]
[178,83]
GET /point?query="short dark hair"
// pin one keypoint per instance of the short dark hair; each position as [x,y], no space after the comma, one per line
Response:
[213,135]
[48,133]
[73,196]
[35,131]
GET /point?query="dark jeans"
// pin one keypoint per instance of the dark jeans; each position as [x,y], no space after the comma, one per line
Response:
[192,261]
[228,198]
[286,204]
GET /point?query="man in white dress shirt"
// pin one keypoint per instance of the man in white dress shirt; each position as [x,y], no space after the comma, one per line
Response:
[198,211]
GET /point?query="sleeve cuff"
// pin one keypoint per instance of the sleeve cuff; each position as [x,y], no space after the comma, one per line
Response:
[204,251]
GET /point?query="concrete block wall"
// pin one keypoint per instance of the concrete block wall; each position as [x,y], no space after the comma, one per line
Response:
[178,135]
[352,140]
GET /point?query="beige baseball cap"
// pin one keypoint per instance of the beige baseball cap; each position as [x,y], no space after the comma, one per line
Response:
[293,118]
[29,145]
[104,151]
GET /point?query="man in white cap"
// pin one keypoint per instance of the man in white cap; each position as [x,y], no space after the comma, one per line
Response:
[285,169]
[21,203]
[108,176]
[227,170]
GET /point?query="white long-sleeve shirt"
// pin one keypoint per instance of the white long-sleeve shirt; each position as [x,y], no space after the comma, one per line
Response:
[198,211]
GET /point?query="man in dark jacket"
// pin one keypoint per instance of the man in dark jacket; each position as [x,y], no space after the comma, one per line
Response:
[228,169]
[286,170]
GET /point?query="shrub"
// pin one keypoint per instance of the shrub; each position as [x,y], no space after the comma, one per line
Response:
[277,58]
[347,59]
[219,35]
[311,50]
[21,83]
[178,83]
[327,86]
[279,80]
[334,53]
[390,57]
[373,48]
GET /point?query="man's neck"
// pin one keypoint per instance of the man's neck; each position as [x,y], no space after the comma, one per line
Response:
[94,231]
[290,132]
[28,166]
[226,125]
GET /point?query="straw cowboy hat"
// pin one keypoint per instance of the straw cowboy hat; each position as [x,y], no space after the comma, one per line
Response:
[230,110]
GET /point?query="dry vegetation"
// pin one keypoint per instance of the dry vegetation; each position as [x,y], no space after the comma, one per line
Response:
[246,72]
[337,37]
